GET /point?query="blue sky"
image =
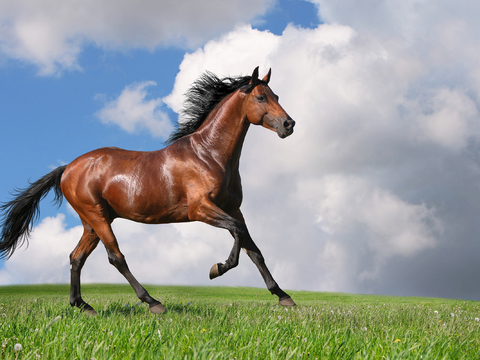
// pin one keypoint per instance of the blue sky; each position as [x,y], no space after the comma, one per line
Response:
[377,183]
[52,119]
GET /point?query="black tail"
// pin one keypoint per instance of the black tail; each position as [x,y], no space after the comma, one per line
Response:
[23,210]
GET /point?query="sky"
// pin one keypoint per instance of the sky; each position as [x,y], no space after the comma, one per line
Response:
[376,192]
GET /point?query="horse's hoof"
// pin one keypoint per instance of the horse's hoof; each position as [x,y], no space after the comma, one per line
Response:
[287,302]
[90,312]
[157,309]
[214,272]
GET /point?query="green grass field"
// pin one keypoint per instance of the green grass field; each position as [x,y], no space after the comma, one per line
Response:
[233,323]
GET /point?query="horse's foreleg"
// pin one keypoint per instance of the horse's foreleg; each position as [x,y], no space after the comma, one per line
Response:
[232,261]
[211,214]
[86,245]
[207,212]
[256,256]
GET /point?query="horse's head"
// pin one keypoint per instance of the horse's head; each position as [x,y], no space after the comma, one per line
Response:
[262,107]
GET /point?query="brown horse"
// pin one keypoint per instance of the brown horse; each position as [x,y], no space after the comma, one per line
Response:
[195,178]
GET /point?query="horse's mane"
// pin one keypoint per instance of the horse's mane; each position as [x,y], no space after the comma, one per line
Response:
[204,95]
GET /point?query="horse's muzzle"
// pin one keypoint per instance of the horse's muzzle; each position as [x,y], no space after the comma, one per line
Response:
[287,130]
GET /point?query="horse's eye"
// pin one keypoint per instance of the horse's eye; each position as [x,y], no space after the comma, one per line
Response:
[261,98]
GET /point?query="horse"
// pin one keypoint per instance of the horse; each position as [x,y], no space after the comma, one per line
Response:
[194,178]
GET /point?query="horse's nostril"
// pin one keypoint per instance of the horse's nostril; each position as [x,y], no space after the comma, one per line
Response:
[289,124]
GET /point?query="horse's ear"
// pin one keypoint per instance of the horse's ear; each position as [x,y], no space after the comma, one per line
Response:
[266,79]
[254,79]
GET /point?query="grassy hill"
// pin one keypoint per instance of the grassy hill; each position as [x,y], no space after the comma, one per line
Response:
[233,322]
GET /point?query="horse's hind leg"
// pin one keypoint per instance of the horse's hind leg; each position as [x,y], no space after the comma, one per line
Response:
[116,258]
[86,245]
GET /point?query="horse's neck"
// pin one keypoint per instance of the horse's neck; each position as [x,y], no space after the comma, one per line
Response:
[224,130]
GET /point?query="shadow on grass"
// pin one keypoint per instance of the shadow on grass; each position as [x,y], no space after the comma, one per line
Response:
[118,308]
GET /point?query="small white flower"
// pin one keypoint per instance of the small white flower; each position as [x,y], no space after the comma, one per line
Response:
[364,328]
[435,312]
[452,314]
[17,347]
[477,319]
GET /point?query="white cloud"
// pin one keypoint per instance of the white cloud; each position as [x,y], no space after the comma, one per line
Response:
[382,157]
[376,189]
[350,206]
[448,118]
[251,48]
[158,254]
[46,258]
[52,33]
[131,111]
[394,226]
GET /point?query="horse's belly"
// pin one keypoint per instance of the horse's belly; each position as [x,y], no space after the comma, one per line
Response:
[149,207]
[152,214]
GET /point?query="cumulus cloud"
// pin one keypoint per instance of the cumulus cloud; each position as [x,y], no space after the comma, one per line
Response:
[51,33]
[391,227]
[376,189]
[156,254]
[394,227]
[447,117]
[375,180]
[46,258]
[250,47]
[132,111]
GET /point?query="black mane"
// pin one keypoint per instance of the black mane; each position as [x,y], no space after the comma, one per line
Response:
[206,93]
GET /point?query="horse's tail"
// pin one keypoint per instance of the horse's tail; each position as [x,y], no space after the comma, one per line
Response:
[19,213]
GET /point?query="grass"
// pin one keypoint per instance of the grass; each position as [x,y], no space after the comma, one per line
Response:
[233,323]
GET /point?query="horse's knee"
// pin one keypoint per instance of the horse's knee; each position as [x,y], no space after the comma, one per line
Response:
[117,261]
